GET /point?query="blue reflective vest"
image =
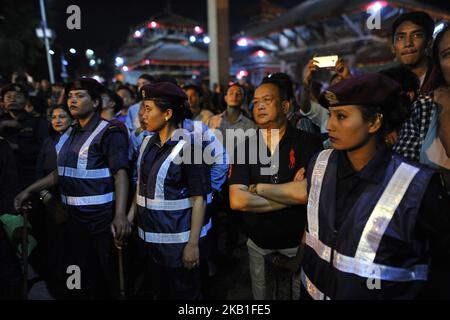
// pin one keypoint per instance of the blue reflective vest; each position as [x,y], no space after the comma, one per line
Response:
[164,206]
[376,254]
[85,180]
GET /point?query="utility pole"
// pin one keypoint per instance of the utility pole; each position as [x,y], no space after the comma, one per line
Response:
[47,43]
[219,48]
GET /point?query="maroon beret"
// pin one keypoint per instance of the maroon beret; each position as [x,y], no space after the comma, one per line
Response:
[162,90]
[370,89]
[88,84]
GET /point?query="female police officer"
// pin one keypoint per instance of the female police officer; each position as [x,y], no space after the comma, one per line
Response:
[371,214]
[52,225]
[171,196]
[92,176]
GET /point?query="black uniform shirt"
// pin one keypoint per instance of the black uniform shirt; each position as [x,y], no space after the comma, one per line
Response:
[433,220]
[283,228]
[114,146]
[434,214]
[197,177]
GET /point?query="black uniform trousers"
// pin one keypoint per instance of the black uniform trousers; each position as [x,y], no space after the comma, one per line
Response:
[93,253]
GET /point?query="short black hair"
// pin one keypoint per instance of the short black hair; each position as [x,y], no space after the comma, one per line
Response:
[194,87]
[235,84]
[147,77]
[417,17]
[283,82]
[122,87]
[118,102]
[10,87]
[404,76]
[62,106]
[440,77]
[58,84]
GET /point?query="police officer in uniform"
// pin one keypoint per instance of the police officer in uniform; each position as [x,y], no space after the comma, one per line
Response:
[24,131]
[374,220]
[171,196]
[92,176]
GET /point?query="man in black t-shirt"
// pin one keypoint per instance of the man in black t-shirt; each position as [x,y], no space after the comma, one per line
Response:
[267,192]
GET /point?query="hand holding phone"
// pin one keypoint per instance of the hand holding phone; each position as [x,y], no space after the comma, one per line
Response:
[326,61]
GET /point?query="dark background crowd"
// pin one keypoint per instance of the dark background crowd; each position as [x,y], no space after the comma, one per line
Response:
[34,114]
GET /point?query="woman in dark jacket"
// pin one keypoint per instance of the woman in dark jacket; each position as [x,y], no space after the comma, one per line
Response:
[52,225]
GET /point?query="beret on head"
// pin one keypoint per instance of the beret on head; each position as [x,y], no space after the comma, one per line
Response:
[88,84]
[371,90]
[14,87]
[163,91]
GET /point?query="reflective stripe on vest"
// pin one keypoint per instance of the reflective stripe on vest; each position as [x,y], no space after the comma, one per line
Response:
[181,237]
[315,293]
[80,171]
[84,173]
[63,140]
[384,211]
[366,269]
[322,250]
[141,151]
[314,194]
[159,202]
[167,205]
[84,150]
[363,263]
[162,173]
[88,200]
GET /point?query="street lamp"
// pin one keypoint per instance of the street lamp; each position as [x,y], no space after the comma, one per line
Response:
[119,61]
[242,42]
[89,53]
[72,51]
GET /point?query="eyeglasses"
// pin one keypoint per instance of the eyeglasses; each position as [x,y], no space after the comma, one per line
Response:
[267,100]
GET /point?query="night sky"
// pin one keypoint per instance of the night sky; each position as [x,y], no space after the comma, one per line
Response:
[106,24]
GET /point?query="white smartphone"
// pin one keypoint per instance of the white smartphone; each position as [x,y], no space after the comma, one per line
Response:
[326,61]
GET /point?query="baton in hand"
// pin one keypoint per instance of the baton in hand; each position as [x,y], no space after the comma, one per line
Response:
[25,211]
[121,273]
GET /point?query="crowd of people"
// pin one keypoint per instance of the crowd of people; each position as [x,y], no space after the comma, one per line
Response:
[353,204]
